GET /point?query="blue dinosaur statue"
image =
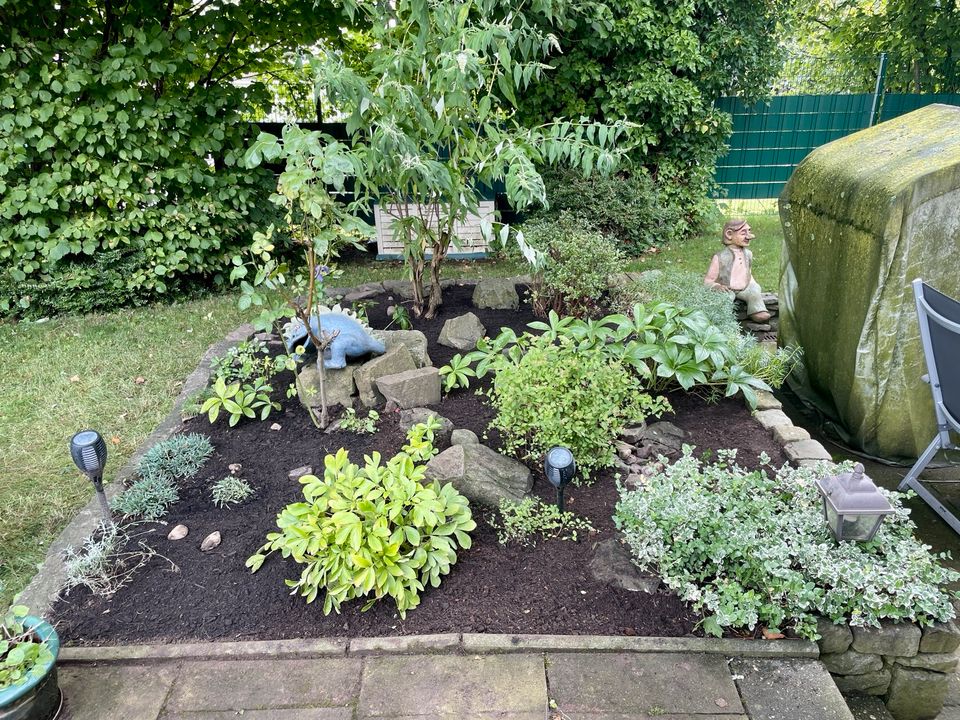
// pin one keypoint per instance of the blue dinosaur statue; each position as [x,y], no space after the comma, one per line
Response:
[352,336]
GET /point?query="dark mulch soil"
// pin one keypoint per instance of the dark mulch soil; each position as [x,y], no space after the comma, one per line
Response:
[492,588]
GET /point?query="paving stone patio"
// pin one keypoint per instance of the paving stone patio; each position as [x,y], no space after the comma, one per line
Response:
[453,685]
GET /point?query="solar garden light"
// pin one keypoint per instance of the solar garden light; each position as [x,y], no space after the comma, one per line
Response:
[559,467]
[852,505]
[89,452]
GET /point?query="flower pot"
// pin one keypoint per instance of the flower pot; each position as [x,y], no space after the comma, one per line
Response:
[36,698]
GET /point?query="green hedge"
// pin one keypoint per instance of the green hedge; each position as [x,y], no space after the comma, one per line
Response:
[119,179]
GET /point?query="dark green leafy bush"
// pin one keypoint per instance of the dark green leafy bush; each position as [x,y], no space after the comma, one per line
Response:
[752,548]
[555,394]
[571,264]
[627,207]
[379,531]
[118,177]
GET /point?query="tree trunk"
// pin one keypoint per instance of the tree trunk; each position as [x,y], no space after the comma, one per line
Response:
[436,298]
[416,276]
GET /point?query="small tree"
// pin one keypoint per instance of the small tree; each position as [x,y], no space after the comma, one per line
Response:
[431,122]
[317,168]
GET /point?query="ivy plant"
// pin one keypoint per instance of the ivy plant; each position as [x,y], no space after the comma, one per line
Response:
[751,548]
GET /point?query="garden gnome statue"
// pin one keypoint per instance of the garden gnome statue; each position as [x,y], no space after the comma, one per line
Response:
[730,270]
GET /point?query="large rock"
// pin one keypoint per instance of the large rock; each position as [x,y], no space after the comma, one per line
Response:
[496,294]
[611,564]
[412,388]
[665,437]
[338,384]
[462,333]
[916,694]
[862,217]
[397,359]
[413,340]
[480,474]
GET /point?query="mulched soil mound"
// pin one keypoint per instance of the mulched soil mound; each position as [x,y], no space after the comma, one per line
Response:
[492,588]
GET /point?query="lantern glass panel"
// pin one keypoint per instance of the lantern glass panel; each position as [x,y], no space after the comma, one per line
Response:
[859,527]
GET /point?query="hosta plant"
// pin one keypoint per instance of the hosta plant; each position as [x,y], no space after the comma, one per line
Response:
[752,548]
[374,531]
[22,656]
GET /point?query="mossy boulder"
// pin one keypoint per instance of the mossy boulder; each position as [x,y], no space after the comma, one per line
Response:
[862,217]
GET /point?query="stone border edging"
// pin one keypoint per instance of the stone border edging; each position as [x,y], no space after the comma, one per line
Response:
[42,591]
[469,643]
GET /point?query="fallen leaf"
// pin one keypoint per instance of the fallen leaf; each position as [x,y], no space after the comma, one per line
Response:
[721,702]
[770,635]
[115,440]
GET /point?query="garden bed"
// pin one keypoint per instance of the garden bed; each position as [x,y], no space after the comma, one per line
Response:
[492,588]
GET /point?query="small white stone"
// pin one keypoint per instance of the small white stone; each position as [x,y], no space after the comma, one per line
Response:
[234,468]
[178,533]
[210,541]
[276,426]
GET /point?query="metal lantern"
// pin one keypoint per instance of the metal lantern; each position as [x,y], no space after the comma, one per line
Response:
[559,467]
[89,453]
[852,505]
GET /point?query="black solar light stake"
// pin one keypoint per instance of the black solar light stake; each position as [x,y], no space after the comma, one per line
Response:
[89,453]
[559,467]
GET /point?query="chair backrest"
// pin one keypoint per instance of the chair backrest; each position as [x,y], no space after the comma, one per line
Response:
[939,317]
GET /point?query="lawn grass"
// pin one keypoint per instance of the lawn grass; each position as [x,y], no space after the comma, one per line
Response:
[70,373]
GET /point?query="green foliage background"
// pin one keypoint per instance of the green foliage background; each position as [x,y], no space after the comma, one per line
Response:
[662,64]
[121,132]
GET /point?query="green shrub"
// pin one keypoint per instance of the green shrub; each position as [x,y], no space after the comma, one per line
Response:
[627,207]
[572,266]
[176,458]
[21,656]
[230,490]
[748,548]
[682,289]
[523,522]
[113,191]
[555,394]
[376,530]
[147,498]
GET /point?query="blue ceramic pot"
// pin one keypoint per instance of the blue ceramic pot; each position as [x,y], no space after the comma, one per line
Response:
[36,698]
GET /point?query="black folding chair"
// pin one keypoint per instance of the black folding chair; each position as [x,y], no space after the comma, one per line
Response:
[939,317]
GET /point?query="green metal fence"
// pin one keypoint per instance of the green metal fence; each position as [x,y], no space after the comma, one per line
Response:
[770,139]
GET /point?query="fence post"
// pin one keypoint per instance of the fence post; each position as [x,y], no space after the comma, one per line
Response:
[878,90]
